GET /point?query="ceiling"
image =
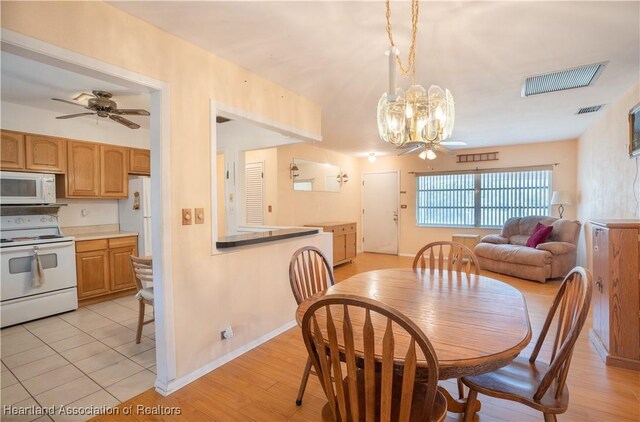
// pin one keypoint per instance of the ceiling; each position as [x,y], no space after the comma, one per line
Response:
[333,53]
[31,83]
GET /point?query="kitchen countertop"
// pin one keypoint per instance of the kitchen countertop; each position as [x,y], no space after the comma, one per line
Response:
[252,238]
[102,235]
[105,231]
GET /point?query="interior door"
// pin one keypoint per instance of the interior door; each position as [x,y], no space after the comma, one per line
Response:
[380,199]
[254,192]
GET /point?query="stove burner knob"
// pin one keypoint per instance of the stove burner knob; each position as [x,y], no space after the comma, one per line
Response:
[52,219]
[43,219]
[19,220]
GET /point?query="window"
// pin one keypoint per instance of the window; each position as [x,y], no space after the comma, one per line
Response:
[483,198]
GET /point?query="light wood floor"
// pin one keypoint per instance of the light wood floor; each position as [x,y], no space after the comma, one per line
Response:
[261,385]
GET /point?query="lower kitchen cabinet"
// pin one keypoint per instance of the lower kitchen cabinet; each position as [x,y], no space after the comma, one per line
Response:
[104,268]
[93,273]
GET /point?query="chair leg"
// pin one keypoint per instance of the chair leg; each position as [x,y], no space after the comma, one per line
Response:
[303,382]
[469,410]
[140,321]
[550,417]
[460,389]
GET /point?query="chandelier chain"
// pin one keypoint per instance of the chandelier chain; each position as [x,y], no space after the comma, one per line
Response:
[411,58]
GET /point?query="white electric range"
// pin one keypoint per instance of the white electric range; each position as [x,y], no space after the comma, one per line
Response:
[22,238]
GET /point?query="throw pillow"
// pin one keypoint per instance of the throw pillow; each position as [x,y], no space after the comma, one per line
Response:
[539,235]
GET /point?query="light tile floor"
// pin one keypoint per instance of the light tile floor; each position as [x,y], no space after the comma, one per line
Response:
[82,359]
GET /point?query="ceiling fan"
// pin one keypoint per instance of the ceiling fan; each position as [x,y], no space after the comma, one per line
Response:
[428,150]
[100,103]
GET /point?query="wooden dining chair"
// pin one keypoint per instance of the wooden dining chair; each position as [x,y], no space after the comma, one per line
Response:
[459,258]
[375,385]
[143,274]
[530,381]
[309,273]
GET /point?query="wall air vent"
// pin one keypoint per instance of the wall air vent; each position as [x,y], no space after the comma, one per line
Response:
[591,109]
[577,77]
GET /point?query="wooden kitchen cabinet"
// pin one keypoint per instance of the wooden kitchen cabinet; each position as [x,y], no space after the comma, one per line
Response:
[45,154]
[82,179]
[104,269]
[120,249]
[140,161]
[344,240]
[94,171]
[92,268]
[114,169]
[616,292]
[11,150]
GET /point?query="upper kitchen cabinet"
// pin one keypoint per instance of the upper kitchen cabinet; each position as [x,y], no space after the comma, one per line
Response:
[94,171]
[12,150]
[45,154]
[140,161]
[114,166]
[82,179]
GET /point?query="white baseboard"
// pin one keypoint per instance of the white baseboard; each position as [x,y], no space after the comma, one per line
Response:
[176,384]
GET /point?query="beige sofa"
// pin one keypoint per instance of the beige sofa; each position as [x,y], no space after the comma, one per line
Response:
[507,253]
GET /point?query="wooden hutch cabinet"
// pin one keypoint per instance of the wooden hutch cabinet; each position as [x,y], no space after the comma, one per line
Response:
[616,293]
[344,240]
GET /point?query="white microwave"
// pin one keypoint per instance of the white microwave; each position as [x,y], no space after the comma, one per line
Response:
[27,188]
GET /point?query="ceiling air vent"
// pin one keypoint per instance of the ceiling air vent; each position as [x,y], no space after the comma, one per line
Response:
[577,77]
[591,109]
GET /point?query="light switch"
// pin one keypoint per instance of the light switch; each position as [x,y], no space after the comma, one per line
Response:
[199,215]
[269,208]
[186,216]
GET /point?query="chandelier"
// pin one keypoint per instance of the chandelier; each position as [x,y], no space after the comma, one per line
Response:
[418,117]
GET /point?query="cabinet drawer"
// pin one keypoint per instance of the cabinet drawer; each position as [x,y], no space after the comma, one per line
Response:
[91,245]
[345,228]
[119,242]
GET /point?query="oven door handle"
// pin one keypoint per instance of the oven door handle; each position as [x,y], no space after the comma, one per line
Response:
[40,246]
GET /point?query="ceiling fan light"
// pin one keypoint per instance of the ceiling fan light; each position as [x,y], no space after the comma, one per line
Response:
[430,155]
[423,154]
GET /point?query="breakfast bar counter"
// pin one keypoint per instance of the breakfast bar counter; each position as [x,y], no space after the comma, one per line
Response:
[253,238]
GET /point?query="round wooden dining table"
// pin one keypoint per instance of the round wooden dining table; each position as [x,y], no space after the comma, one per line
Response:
[476,324]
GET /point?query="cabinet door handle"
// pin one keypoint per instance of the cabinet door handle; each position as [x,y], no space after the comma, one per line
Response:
[599,284]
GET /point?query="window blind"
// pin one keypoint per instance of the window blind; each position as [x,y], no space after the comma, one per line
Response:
[482,198]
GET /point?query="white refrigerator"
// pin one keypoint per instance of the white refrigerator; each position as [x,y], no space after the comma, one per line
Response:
[135,213]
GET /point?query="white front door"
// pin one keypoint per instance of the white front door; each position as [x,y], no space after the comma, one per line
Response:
[380,199]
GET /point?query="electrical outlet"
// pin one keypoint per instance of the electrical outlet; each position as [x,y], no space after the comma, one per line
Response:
[186,216]
[226,333]
[199,215]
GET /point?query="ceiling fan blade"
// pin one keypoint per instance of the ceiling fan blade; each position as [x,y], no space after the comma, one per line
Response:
[123,121]
[452,143]
[70,102]
[411,149]
[132,111]
[71,116]
[444,150]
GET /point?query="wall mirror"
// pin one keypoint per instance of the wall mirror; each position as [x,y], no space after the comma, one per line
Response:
[316,177]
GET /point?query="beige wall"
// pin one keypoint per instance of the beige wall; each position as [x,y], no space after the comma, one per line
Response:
[209,291]
[413,237]
[300,208]
[605,171]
